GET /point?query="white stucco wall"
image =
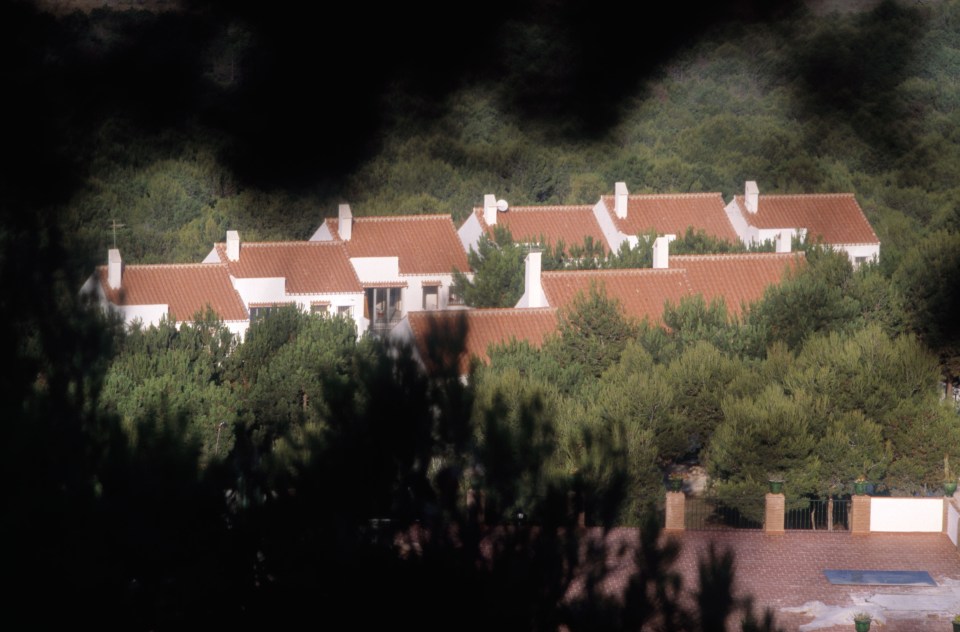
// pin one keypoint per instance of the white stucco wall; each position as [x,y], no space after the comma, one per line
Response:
[611,233]
[953,524]
[376,269]
[740,226]
[907,515]
[470,232]
[262,290]
[147,314]
[212,256]
[870,251]
[322,234]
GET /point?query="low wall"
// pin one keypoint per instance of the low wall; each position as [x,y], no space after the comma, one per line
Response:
[908,515]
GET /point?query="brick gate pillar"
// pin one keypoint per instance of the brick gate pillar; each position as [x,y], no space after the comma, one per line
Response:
[676,510]
[774,513]
[860,514]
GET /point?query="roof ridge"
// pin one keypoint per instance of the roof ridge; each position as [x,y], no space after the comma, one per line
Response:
[245,244]
[737,255]
[610,272]
[394,218]
[154,266]
[801,195]
[639,196]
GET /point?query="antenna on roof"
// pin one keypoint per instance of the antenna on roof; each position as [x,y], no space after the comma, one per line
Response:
[502,206]
[115,226]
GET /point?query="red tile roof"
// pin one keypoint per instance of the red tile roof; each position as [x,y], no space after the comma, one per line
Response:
[836,217]
[571,224]
[484,328]
[738,279]
[673,214]
[641,292]
[424,244]
[310,267]
[185,288]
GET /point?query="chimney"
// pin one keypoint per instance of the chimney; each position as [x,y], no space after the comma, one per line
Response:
[531,281]
[784,242]
[490,209]
[114,269]
[752,196]
[233,245]
[661,253]
[620,194]
[345,223]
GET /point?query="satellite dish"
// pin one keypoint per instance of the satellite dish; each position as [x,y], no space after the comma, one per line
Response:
[502,206]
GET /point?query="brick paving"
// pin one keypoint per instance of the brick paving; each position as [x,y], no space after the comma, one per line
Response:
[786,571]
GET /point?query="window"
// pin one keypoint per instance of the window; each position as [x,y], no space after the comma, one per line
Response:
[455,297]
[261,311]
[431,295]
[320,308]
[345,310]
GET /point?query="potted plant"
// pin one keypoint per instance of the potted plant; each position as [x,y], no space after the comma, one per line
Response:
[956,623]
[675,481]
[860,485]
[861,621]
[776,484]
[949,481]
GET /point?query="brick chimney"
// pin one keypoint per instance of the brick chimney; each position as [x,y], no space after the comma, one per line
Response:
[490,209]
[345,222]
[114,269]
[620,194]
[661,253]
[533,289]
[751,196]
[233,245]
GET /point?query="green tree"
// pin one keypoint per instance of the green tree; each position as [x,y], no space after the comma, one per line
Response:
[498,272]
[593,332]
[927,280]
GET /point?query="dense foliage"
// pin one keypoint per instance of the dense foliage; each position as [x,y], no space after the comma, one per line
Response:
[170,478]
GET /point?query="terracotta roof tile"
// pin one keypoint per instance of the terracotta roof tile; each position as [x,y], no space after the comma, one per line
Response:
[485,327]
[570,224]
[738,279]
[186,289]
[310,267]
[673,214]
[836,217]
[424,244]
[641,292]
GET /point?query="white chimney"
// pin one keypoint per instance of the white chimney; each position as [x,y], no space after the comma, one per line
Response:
[114,269]
[752,196]
[533,289]
[345,222]
[233,245]
[784,242]
[620,194]
[490,209]
[661,253]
